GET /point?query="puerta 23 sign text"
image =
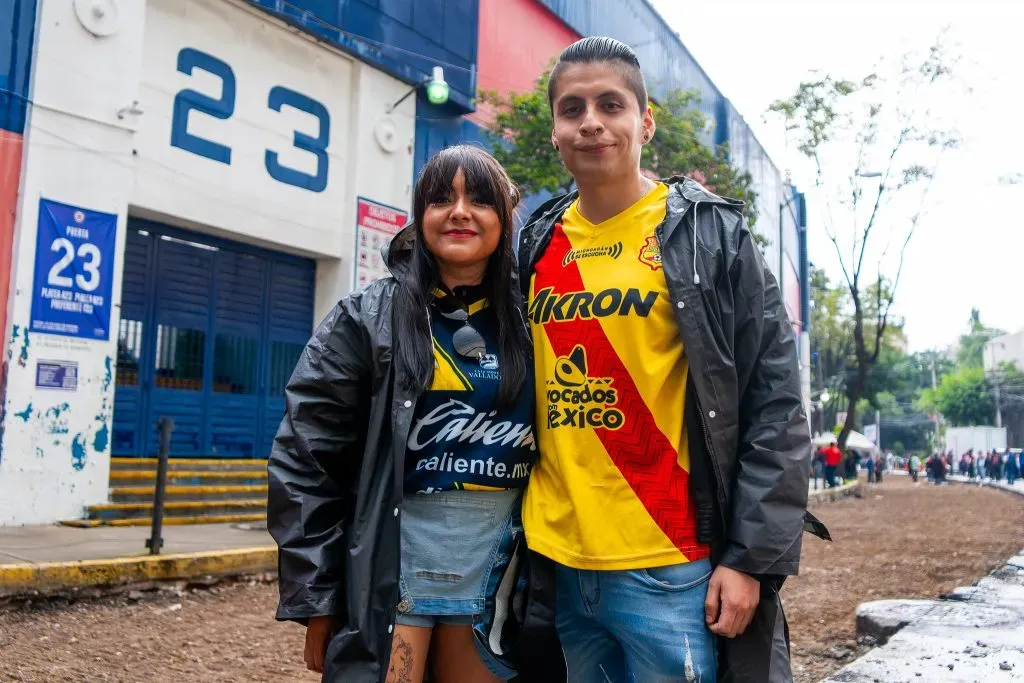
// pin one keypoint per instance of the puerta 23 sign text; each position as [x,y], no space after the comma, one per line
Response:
[74,269]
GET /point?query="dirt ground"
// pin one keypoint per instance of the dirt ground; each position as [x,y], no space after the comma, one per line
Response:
[899,541]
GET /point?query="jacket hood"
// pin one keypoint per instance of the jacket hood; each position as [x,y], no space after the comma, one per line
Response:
[398,252]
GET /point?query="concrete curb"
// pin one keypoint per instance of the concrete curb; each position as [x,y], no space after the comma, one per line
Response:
[54,578]
[975,634]
[831,495]
[998,485]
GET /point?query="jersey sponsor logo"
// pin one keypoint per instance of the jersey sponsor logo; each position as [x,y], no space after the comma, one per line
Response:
[576,400]
[615,250]
[650,253]
[454,421]
[548,306]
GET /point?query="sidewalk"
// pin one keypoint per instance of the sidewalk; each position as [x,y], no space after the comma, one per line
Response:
[1018,486]
[973,635]
[53,559]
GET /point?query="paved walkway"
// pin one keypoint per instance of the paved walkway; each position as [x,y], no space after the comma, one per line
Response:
[1018,486]
[52,558]
[55,543]
[975,635]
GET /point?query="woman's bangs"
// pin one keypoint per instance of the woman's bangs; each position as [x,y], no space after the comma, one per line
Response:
[481,179]
[438,176]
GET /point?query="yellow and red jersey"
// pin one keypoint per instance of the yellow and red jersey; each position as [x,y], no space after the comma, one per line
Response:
[611,489]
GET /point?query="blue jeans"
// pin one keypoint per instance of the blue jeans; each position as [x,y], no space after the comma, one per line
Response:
[636,626]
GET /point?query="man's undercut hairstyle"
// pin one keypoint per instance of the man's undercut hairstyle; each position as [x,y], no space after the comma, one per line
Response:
[602,49]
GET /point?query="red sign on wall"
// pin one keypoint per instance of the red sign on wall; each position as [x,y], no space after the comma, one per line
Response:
[376,225]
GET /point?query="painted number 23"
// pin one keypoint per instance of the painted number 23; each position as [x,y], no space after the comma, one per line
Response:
[223,107]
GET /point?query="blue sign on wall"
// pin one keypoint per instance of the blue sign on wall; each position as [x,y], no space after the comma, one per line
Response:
[74,269]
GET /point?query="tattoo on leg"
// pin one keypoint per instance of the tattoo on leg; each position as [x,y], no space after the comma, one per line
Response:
[400,668]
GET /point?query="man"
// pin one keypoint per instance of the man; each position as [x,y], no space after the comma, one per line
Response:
[914,466]
[833,458]
[671,492]
[870,465]
[1012,469]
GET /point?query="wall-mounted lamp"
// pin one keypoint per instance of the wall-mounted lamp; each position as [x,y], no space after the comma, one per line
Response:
[437,90]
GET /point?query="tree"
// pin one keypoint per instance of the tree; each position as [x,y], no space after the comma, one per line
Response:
[851,126]
[831,341]
[971,351]
[833,356]
[963,398]
[521,141]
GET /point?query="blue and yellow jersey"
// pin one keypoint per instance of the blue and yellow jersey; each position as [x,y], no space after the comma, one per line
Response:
[458,439]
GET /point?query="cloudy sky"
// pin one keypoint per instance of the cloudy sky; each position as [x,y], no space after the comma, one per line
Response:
[969,250]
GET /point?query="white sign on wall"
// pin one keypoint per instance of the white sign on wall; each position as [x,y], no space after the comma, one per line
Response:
[245,126]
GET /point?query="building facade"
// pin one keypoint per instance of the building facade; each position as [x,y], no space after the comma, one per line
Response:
[200,181]
[187,186]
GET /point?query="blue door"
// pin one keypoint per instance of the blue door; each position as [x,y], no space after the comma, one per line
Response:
[210,331]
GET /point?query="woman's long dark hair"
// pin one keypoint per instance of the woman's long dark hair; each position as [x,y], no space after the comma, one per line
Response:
[488,182]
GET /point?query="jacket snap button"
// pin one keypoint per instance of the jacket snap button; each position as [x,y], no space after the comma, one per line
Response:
[408,404]
[396,509]
[711,414]
[391,628]
[680,304]
[403,606]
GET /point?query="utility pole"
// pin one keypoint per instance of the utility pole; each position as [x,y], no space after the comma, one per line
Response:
[999,408]
[935,415]
[878,429]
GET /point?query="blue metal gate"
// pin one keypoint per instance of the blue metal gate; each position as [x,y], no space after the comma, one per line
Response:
[210,331]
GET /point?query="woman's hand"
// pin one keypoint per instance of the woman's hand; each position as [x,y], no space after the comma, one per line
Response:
[318,635]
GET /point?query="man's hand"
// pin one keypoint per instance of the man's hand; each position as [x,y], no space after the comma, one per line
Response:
[731,601]
[318,634]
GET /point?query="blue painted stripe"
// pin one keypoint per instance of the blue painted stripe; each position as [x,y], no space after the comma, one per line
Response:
[17,35]
[404,38]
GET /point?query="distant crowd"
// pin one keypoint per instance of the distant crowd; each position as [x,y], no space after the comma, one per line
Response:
[835,467]
[993,465]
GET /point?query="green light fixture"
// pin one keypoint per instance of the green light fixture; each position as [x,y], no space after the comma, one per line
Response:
[437,90]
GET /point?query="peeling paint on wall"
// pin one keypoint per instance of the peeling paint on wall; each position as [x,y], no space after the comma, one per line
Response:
[25,414]
[55,420]
[102,438]
[108,374]
[23,355]
[78,457]
[15,333]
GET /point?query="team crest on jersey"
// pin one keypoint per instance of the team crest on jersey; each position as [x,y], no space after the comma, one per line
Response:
[650,253]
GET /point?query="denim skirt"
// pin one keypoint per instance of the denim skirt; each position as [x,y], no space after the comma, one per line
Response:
[452,544]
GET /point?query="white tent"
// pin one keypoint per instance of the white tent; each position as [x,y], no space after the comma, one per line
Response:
[855,441]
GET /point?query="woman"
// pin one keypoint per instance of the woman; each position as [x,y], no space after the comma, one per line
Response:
[397,473]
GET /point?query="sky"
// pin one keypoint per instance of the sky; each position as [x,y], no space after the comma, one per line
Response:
[969,248]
